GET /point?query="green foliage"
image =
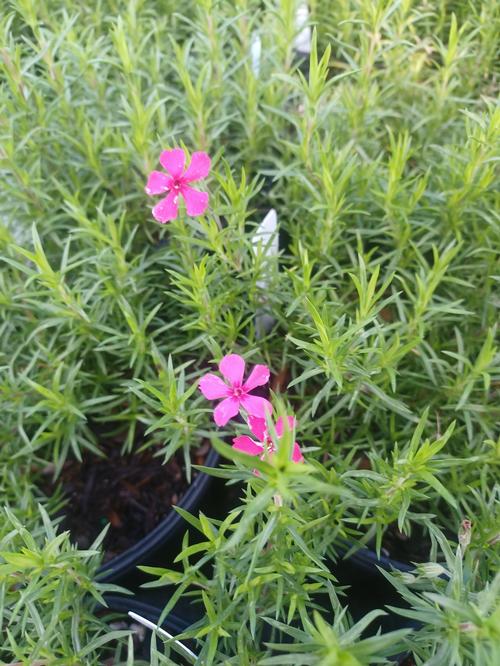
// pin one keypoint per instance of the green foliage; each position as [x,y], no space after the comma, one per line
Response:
[458,609]
[48,596]
[380,154]
[384,493]
[266,558]
[338,644]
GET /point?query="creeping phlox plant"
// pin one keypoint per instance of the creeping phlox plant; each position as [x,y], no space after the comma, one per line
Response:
[255,409]
[378,153]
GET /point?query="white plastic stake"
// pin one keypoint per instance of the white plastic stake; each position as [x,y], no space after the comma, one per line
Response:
[266,240]
[186,652]
[266,236]
[302,42]
[255,53]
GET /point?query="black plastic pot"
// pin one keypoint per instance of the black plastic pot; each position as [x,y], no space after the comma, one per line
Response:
[367,561]
[165,537]
[369,589]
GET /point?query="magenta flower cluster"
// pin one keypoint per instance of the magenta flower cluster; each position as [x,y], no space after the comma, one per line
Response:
[236,397]
[235,393]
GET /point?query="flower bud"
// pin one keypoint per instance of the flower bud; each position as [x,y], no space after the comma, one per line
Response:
[432,570]
[464,534]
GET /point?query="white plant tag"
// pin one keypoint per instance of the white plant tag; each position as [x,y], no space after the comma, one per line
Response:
[266,240]
[182,649]
[255,53]
[302,42]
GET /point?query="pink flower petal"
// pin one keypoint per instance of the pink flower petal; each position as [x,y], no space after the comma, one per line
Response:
[167,208]
[257,427]
[297,456]
[232,367]
[258,377]
[213,387]
[196,201]
[173,161]
[279,425]
[225,410]
[247,445]
[158,182]
[199,167]
[256,406]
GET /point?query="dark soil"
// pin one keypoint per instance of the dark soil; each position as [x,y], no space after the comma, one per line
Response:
[409,661]
[132,492]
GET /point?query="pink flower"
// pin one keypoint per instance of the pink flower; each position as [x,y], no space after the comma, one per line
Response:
[176,183]
[265,444]
[236,393]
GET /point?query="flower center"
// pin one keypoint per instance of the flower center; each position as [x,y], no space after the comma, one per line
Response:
[238,391]
[268,444]
[176,185]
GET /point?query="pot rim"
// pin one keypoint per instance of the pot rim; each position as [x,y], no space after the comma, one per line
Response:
[165,530]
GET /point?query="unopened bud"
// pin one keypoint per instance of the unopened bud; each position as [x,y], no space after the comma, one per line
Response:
[467,626]
[432,570]
[464,534]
